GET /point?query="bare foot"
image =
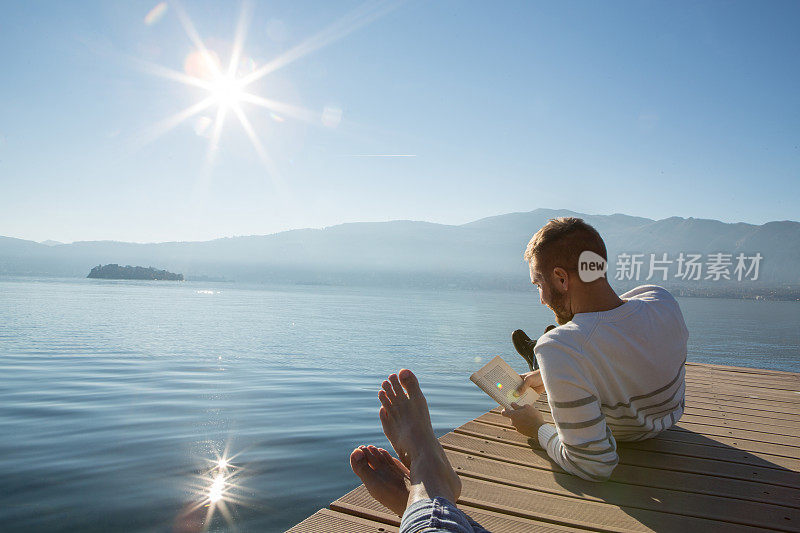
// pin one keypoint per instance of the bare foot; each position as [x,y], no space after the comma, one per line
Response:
[386,478]
[407,424]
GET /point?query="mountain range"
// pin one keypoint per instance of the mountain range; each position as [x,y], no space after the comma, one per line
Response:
[486,253]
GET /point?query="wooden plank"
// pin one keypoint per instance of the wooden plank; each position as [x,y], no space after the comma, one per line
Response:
[671,455]
[326,520]
[715,405]
[696,476]
[586,513]
[788,381]
[743,394]
[711,506]
[360,503]
[746,370]
[791,426]
[789,395]
[767,384]
[729,450]
[789,378]
[744,397]
[724,403]
[745,380]
[764,404]
[708,427]
[754,424]
[741,389]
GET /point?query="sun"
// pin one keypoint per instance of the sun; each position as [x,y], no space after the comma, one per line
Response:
[225,88]
[229,87]
[227,91]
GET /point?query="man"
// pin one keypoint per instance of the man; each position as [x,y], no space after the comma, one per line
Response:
[613,369]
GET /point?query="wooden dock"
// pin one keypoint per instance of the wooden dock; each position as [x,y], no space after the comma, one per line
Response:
[731,464]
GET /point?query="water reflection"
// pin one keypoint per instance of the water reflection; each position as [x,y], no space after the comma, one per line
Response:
[115,389]
[216,491]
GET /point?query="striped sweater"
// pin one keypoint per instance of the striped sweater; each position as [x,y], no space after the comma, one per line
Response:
[612,376]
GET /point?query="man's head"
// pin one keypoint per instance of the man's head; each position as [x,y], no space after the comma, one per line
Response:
[553,254]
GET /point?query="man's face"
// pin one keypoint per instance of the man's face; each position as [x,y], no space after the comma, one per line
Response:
[550,294]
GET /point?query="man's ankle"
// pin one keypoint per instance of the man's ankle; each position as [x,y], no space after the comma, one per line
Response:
[426,456]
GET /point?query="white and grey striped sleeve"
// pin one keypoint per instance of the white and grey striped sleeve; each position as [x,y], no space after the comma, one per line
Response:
[580,442]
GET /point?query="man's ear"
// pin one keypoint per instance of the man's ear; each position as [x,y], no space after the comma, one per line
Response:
[561,278]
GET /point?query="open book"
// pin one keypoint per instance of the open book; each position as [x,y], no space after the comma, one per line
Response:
[500,381]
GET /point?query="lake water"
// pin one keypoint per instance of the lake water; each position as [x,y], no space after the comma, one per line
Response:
[116,396]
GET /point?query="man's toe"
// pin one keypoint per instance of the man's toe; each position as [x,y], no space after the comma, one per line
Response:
[400,394]
[410,383]
[358,461]
[390,392]
[373,457]
[384,399]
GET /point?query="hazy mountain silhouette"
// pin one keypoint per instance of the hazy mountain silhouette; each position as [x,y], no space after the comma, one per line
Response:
[484,253]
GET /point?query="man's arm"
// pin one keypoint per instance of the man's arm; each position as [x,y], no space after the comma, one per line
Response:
[579,441]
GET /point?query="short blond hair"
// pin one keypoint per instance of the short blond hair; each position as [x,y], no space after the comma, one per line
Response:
[559,243]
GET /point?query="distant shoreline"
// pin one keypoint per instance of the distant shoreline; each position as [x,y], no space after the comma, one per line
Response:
[114,271]
[789,294]
[484,254]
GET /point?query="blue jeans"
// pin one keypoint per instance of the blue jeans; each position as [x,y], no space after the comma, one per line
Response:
[437,516]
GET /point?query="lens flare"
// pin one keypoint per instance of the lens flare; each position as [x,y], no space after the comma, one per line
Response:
[155,14]
[202,65]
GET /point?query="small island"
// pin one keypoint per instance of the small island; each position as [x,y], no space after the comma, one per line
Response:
[131,272]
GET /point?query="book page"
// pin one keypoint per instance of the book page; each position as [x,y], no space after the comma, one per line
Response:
[500,381]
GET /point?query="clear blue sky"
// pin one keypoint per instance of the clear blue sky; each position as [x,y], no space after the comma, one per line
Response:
[646,108]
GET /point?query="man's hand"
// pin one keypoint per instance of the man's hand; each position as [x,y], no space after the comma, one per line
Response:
[532,380]
[525,419]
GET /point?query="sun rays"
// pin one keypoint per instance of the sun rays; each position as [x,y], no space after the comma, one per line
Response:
[225,86]
[217,490]
[229,87]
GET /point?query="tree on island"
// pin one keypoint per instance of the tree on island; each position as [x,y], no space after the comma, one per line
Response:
[114,271]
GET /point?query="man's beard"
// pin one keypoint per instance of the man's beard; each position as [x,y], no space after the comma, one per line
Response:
[559,307]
